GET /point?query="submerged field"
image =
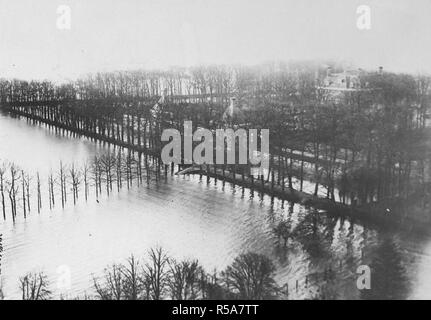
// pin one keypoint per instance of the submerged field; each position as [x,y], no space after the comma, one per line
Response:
[190,217]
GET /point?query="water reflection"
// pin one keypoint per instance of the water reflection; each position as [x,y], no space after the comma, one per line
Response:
[389,279]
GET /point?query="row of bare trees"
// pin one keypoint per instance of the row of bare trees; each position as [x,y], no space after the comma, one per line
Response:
[159,276]
[103,174]
[250,276]
[217,83]
[15,186]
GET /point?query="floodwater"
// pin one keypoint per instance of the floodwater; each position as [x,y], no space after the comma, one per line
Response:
[192,218]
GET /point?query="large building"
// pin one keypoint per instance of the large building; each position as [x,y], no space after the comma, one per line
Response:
[336,85]
[349,79]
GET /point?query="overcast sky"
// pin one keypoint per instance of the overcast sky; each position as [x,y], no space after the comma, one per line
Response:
[130,34]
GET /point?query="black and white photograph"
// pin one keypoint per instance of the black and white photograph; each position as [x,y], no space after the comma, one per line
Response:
[215,150]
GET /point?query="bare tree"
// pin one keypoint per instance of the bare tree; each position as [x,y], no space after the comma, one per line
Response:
[63,188]
[111,287]
[96,175]
[133,282]
[2,186]
[108,166]
[119,171]
[75,176]
[85,173]
[23,193]
[184,279]
[34,286]
[156,271]
[51,193]
[27,187]
[13,189]
[39,195]
[251,277]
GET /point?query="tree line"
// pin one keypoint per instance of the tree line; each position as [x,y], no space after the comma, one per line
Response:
[250,276]
[159,276]
[24,192]
[366,146]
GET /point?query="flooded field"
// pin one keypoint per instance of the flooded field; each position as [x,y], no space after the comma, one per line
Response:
[196,218]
